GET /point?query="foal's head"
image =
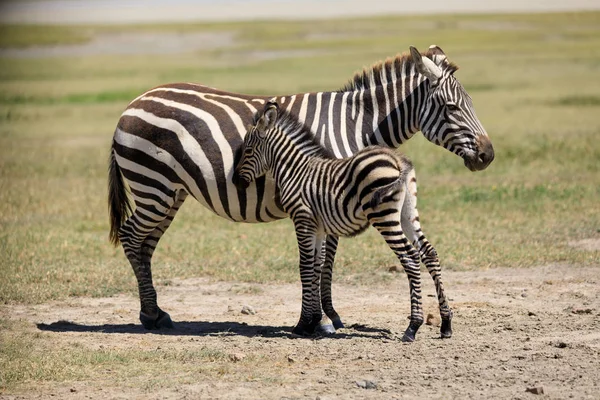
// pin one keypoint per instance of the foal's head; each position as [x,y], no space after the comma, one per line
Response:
[253,163]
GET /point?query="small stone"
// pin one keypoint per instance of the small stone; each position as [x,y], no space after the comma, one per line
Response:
[366,384]
[535,390]
[523,294]
[581,311]
[291,359]
[560,345]
[73,390]
[394,268]
[248,310]
[432,320]
[235,357]
[531,314]
[229,308]
[527,347]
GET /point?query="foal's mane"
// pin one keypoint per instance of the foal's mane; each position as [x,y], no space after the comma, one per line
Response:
[392,68]
[301,135]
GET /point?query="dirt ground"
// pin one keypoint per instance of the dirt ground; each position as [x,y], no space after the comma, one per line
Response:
[514,330]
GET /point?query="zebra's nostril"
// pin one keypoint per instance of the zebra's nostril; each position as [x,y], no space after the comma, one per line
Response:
[482,157]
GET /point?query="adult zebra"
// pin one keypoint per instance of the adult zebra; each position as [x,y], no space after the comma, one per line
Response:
[182,139]
[324,195]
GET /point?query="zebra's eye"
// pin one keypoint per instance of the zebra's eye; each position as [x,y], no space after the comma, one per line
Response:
[452,107]
[248,151]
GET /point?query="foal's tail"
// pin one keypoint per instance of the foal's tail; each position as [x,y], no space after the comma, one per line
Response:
[404,167]
[119,206]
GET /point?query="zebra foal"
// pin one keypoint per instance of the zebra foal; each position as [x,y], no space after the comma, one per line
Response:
[342,197]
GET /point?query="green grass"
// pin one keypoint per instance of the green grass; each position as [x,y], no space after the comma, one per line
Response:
[533,79]
[534,82]
[35,358]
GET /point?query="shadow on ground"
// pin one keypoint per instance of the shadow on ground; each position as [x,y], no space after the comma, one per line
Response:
[200,328]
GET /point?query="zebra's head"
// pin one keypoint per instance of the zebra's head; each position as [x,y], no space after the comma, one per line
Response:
[447,116]
[253,163]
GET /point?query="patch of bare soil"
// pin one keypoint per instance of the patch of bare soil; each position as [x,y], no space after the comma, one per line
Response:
[130,43]
[517,332]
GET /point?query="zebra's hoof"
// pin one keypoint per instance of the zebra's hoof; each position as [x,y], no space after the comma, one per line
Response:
[326,329]
[446,329]
[411,331]
[337,323]
[162,320]
[305,329]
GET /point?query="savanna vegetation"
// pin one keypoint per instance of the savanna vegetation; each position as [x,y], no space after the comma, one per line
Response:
[533,79]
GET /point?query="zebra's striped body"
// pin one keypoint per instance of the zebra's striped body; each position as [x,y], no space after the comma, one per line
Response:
[342,197]
[183,139]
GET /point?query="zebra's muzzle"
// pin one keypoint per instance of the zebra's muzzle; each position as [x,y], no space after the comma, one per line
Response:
[483,157]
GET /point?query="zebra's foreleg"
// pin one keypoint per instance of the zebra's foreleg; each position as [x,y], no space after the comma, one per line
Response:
[310,316]
[331,244]
[325,325]
[412,226]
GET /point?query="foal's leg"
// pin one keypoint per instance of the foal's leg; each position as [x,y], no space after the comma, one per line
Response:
[331,243]
[325,326]
[306,234]
[386,219]
[412,228]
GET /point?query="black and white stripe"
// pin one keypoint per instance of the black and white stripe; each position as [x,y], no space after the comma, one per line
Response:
[183,139]
[341,197]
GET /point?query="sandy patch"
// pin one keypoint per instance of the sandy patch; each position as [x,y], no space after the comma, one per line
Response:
[514,329]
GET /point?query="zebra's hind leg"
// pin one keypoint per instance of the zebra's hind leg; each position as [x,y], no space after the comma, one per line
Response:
[163,319]
[331,243]
[412,226]
[386,219]
[139,236]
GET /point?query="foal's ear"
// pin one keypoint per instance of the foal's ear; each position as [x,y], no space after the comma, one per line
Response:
[267,119]
[425,66]
[271,115]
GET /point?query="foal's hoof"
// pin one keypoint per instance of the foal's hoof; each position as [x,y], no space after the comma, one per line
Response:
[337,323]
[325,329]
[446,329]
[162,320]
[305,329]
[411,331]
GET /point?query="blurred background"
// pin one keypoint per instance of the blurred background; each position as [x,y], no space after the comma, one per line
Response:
[69,68]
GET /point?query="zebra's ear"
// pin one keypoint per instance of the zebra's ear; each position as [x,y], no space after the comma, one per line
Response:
[271,115]
[437,55]
[425,66]
[266,120]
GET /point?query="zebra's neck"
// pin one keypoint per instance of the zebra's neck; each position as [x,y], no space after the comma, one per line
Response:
[384,113]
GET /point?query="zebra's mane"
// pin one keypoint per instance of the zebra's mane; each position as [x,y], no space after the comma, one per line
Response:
[393,68]
[301,135]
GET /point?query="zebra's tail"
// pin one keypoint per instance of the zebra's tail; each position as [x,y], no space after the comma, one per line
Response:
[119,206]
[404,167]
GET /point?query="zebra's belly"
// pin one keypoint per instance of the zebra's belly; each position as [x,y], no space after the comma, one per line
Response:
[345,227]
[257,203]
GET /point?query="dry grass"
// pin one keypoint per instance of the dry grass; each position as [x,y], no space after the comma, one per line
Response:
[534,84]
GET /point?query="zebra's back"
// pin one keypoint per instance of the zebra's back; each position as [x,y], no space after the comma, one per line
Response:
[187,136]
[338,192]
